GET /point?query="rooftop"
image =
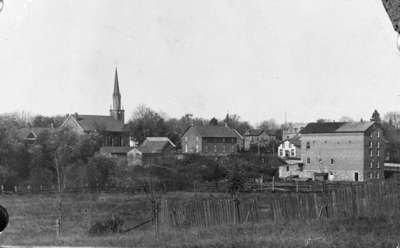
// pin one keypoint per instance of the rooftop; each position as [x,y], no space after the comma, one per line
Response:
[216,131]
[337,127]
[99,122]
[155,144]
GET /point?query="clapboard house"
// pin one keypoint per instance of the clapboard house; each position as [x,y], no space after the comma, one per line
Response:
[210,140]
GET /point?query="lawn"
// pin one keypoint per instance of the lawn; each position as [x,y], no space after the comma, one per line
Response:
[33,219]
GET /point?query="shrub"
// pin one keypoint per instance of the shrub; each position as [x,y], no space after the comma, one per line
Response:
[111,225]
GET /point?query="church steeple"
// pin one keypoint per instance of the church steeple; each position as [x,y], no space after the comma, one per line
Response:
[116,94]
[116,110]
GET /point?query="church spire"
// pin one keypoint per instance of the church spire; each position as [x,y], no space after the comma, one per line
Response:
[116,83]
[116,94]
[116,110]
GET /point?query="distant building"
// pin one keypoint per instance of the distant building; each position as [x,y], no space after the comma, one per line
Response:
[29,135]
[290,148]
[157,150]
[115,136]
[291,130]
[210,140]
[257,138]
[343,151]
[134,157]
[293,168]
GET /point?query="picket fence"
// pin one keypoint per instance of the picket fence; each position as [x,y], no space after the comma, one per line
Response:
[353,200]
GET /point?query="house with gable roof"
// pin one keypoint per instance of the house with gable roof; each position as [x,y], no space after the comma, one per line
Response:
[258,138]
[157,150]
[210,140]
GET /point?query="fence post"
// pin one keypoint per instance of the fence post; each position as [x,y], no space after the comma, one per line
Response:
[58,227]
[273,184]
[237,208]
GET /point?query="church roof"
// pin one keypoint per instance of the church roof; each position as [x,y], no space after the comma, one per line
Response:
[99,122]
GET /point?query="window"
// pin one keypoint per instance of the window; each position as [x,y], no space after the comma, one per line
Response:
[377,165]
[378,133]
[370,144]
[197,148]
[292,152]
[233,148]
[287,168]
[378,153]
[332,161]
[370,164]
[377,175]
[215,148]
[186,148]
[280,152]
[379,145]
[206,148]
[308,160]
[370,175]
[223,148]
[370,152]
[308,145]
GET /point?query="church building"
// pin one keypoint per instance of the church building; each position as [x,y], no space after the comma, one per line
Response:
[112,127]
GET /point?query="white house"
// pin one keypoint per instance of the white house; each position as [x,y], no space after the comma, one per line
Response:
[290,148]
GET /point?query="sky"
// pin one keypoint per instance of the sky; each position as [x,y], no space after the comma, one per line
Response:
[258,59]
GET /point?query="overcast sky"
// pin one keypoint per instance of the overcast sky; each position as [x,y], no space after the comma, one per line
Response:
[258,58]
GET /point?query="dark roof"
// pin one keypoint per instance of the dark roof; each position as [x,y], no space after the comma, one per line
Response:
[24,133]
[115,149]
[215,131]
[355,127]
[155,144]
[254,132]
[321,127]
[337,127]
[99,122]
[295,140]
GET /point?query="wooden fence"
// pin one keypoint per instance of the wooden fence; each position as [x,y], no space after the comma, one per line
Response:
[353,200]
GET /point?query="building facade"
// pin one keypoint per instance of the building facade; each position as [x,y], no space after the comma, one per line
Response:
[343,151]
[290,148]
[157,150]
[257,138]
[210,140]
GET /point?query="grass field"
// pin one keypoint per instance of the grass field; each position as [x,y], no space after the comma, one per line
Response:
[33,219]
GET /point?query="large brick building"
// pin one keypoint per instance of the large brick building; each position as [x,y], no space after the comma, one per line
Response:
[343,151]
[210,140]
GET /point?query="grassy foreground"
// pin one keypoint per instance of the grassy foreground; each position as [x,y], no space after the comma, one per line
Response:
[32,222]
